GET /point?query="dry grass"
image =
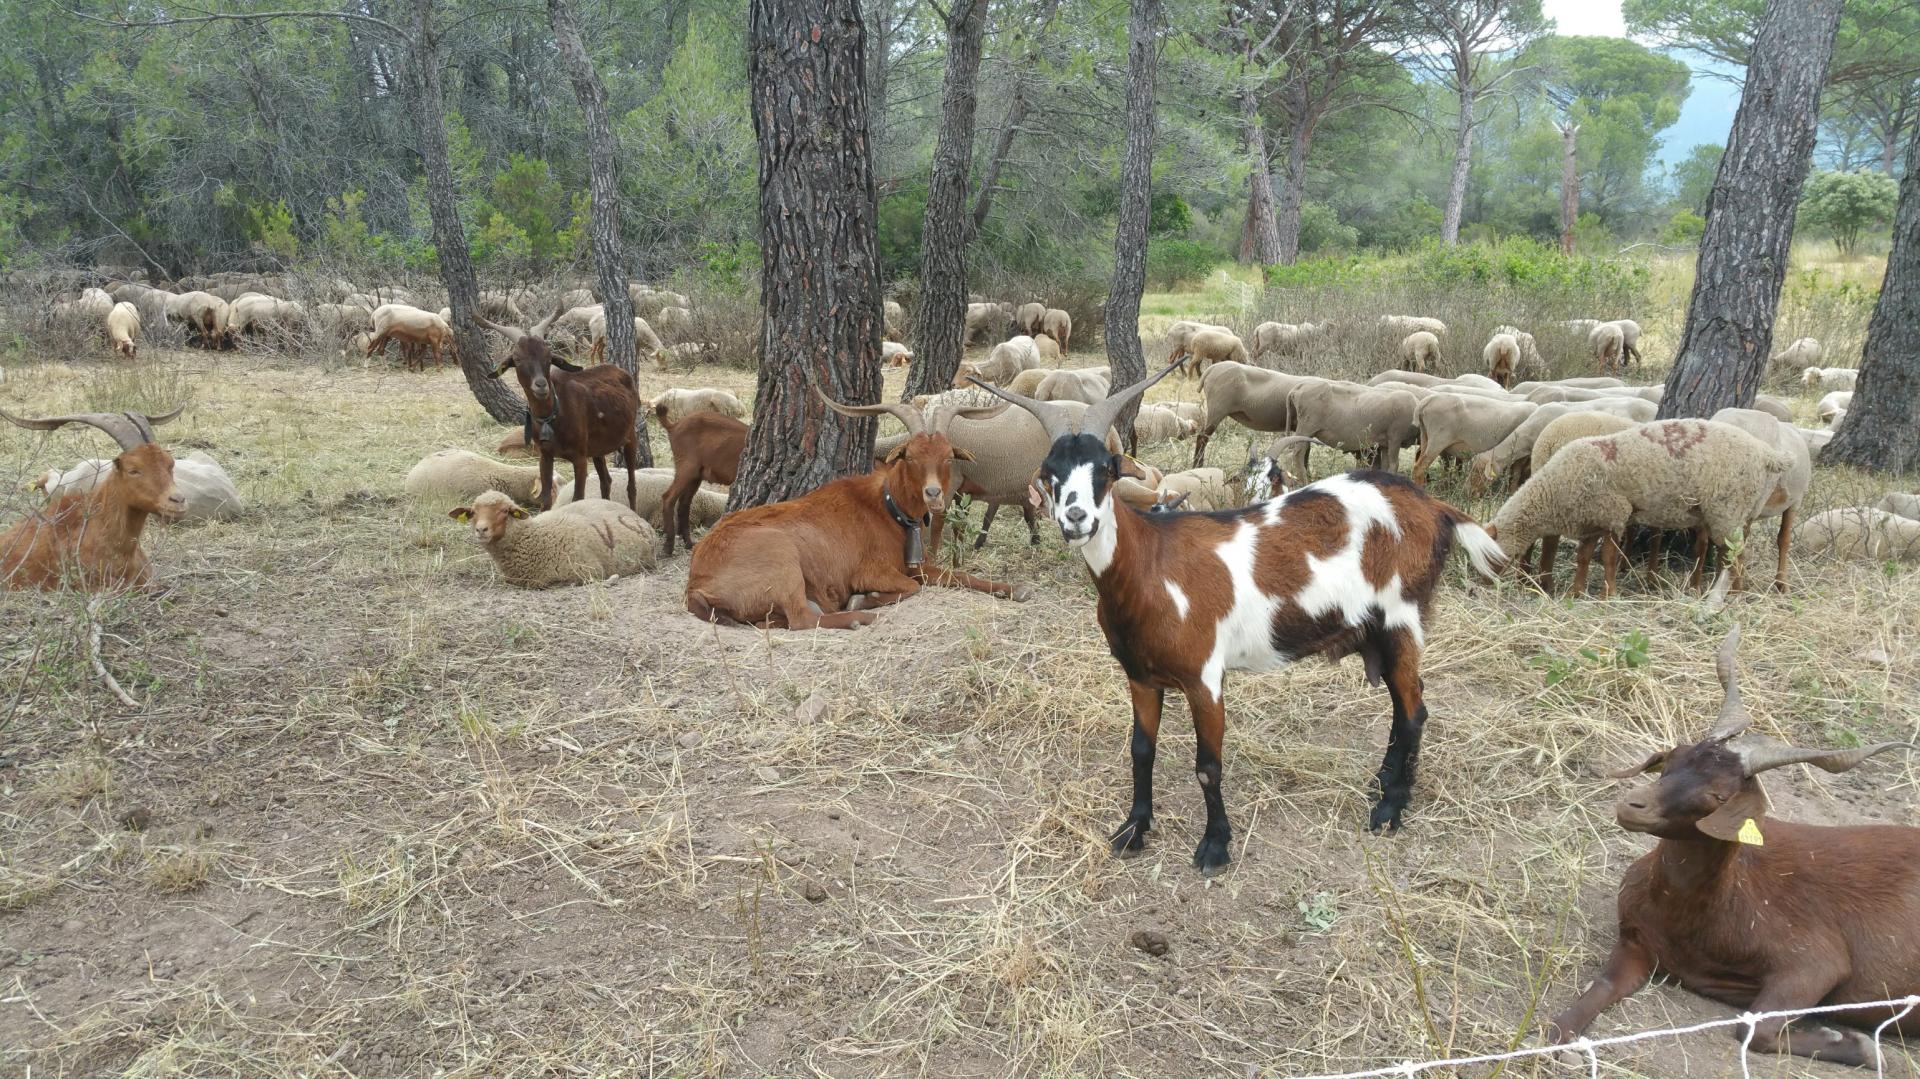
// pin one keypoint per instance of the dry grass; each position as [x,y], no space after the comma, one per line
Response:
[396,818]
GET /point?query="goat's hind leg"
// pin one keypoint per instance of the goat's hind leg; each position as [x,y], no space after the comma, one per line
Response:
[1811,1038]
[1131,838]
[1397,659]
[606,478]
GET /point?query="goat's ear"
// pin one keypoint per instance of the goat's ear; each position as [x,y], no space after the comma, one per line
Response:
[896,453]
[519,513]
[565,366]
[505,366]
[462,514]
[1492,530]
[1652,764]
[961,455]
[1738,819]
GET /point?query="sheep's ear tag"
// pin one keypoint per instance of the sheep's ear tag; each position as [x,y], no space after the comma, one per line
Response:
[519,513]
[1750,834]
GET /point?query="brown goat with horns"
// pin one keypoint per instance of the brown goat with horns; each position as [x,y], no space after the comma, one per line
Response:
[1760,913]
[576,413]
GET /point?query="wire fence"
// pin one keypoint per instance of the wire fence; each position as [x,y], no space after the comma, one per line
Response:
[1591,1047]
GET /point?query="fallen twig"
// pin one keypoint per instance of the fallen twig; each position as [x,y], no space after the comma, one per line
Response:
[94,631]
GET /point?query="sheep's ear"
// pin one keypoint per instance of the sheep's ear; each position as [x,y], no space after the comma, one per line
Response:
[565,366]
[505,366]
[519,513]
[1738,819]
[462,514]
[961,455]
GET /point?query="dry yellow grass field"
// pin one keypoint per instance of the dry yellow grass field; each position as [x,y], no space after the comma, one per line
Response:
[380,814]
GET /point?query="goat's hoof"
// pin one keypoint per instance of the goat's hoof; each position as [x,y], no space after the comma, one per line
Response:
[1385,816]
[1033,541]
[1131,839]
[1211,855]
[1021,593]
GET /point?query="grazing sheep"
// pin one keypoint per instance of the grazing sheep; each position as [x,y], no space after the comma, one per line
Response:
[344,319]
[1629,339]
[1027,382]
[645,341]
[672,322]
[1773,406]
[1693,475]
[1211,346]
[461,475]
[1590,383]
[1419,351]
[1531,364]
[253,313]
[1834,406]
[1058,325]
[1048,348]
[1007,359]
[1157,423]
[1608,344]
[416,330]
[1453,423]
[1830,378]
[1581,326]
[1254,397]
[1418,379]
[1798,356]
[589,540]
[681,401]
[1087,385]
[1406,324]
[984,320]
[1371,422]
[1186,410]
[1859,532]
[209,492]
[1282,338]
[1515,453]
[206,317]
[1179,337]
[686,353]
[1783,497]
[1502,356]
[896,321]
[895,354]
[1028,317]
[123,328]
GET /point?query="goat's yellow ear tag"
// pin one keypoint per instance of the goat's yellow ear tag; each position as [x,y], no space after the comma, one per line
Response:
[1750,834]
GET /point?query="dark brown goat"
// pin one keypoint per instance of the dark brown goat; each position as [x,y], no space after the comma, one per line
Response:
[706,449]
[576,414]
[1760,913]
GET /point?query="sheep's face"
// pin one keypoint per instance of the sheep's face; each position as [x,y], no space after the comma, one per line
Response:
[489,515]
[922,473]
[144,476]
[1075,486]
[1703,788]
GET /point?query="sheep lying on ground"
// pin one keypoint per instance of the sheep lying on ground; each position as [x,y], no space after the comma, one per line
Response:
[589,540]
[686,353]
[1158,423]
[681,401]
[1900,504]
[462,475]
[1003,362]
[1798,356]
[1693,475]
[123,329]
[1048,348]
[1859,532]
[650,485]
[1197,489]
[209,492]
[1026,383]
[1419,351]
[1087,385]
[1830,378]
[1834,406]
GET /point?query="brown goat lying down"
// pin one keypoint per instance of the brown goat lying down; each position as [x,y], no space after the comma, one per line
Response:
[817,560]
[1760,913]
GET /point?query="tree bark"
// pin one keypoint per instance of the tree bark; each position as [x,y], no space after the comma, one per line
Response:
[449,237]
[1293,191]
[1569,184]
[1462,159]
[1743,253]
[1882,429]
[819,259]
[939,324]
[1265,230]
[603,222]
[1124,355]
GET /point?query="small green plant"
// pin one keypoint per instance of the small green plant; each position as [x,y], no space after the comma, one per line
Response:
[1318,912]
[1632,650]
[959,529]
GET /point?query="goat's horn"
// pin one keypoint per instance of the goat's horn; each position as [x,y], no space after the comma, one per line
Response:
[907,414]
[1099,417]
[123,430]
[941,417]
[1054,420]
[145,423]
[1761,754]
[1733,713]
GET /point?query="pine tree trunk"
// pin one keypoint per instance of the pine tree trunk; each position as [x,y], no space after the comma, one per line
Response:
[1293,191]
[1743,253]
[819,260]
[939,324]
[603,222]
[1882,429]
[1265,231]
[1124,355]
[449,238]
[1569,184]
[1462,159]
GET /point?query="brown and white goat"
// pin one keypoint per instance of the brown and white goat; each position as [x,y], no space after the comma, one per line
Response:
[1348,564]
[576,414]
[823,560]
[706,449]
[92,541]
[1758,913]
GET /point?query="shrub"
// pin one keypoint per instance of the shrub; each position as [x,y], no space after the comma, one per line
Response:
[1845,203]
[1321,230]
[1171,262]
[1684,227]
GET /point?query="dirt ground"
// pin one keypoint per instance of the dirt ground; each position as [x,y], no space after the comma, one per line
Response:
[380,814]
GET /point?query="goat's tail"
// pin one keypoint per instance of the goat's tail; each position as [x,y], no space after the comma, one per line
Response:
[700,605]
[1483,551]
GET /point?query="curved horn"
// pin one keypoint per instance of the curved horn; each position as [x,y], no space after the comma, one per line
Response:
[940,417]
[511,333]
[1733,713]
[1054,420]
[145,423]
[1762,754]
[1101,416]
[907,414]
[123,430]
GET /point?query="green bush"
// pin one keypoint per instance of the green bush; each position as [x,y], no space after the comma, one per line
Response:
[1171,262]
[1684,227]
[1321,230]
[901,216]
[1846,203]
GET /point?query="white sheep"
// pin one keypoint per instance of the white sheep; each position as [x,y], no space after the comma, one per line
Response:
[1516,451]
[1406,324]
[1608,344]
[456,475]
[684,401]
[1087,385]
[1462,425]
[582,541]
[1830,378]
[1502,357]
[1282,338]
[1211,346]
[1799,356]
[209,491]
[1419,351]
[1859,532]
[1900,504]
[1007,359]
[123,328]
[895,354]
[1833,407]
[1531,364]
[650,487]
[1373,422]
[1816,440]
[673,321]
[1179,337]
[1158,423]
[645,341]
[1783,495]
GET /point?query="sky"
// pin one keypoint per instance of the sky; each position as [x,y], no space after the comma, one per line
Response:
[1708,114]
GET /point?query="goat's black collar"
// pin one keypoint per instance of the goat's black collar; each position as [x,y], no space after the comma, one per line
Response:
[916,546]
[544,431]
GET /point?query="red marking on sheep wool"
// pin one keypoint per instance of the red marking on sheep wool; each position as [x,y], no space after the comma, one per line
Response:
[1676,438]
[1608,448]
